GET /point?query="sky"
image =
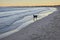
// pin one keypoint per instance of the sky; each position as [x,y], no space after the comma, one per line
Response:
[28,2]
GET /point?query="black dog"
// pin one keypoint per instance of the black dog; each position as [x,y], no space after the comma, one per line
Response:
[35,17]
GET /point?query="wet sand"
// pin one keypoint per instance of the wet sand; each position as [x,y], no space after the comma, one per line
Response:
[47,28]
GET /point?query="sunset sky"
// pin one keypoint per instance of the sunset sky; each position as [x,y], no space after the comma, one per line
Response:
[28,2]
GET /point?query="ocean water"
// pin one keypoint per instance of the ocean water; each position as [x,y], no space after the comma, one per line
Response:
[12,18]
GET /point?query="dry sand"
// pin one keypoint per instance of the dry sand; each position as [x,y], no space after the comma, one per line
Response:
[47,28]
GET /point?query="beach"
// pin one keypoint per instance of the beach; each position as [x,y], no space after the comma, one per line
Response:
[47,28]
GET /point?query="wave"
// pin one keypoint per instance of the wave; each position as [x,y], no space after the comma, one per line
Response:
[10,20]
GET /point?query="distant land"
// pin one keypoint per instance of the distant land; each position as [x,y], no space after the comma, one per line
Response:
[28,6]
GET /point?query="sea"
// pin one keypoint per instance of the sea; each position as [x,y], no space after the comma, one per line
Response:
[12,18]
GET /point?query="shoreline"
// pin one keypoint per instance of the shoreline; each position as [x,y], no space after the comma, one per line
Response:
[24,25]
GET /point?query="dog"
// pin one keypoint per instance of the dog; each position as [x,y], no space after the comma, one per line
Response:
[35,17]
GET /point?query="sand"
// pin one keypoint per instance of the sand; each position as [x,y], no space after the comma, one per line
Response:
[47,28]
